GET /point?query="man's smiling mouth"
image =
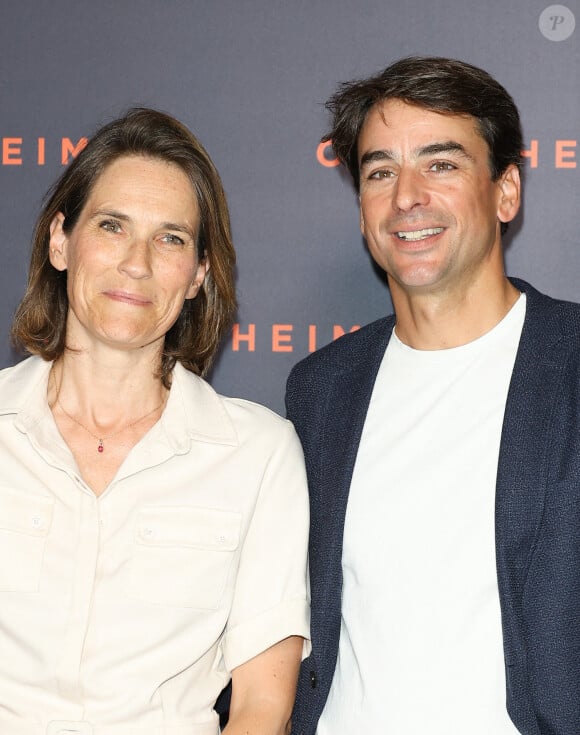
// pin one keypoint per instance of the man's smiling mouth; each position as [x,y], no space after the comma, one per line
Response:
[419,234]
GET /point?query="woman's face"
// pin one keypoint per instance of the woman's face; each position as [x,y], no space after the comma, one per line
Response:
[131,258]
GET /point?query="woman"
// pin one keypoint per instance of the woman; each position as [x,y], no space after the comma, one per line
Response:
[152,533]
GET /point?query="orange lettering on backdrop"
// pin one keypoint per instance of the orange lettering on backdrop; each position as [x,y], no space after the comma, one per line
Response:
[282,337]
[321,157]
[40,158]
[11,151]
[69,148]
[532,153]
[563,152]
[311,337]
[249,337]
[338,331]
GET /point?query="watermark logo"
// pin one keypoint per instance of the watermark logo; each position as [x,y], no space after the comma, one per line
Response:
[557,23]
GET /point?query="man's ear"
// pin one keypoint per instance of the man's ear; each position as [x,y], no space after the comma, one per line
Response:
[509,185]
[58,243]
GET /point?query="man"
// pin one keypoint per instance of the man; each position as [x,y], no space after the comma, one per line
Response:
[442,443]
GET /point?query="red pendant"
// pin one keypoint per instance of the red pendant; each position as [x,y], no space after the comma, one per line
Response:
[100,448]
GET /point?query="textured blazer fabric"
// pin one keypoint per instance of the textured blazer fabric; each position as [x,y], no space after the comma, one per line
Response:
[537,508]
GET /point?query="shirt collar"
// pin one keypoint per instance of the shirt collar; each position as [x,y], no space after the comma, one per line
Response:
[194,411]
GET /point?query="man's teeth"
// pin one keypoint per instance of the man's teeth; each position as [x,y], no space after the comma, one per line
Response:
[419,234]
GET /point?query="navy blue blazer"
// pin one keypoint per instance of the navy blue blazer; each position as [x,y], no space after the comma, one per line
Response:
[537,509]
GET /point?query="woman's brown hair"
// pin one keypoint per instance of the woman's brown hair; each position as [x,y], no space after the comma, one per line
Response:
[40,322]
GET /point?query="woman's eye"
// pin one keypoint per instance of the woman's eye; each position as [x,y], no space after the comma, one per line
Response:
[110,226]
[172,239]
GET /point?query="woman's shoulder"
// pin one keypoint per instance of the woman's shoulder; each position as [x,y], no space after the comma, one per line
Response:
[17,381]
[245,417]
[251,411]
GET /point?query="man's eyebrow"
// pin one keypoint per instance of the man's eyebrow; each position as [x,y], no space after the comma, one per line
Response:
[374,156]
[433,149]
[448,146]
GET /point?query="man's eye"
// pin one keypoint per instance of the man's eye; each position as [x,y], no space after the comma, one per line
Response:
[381,174]
[110,226]
[442,166]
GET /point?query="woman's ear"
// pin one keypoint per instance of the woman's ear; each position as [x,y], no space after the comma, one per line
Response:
[199,278]
[57,246]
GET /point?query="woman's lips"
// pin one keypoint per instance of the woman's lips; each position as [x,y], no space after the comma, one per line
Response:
[128,298]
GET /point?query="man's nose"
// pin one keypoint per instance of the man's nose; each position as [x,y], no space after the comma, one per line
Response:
[410,189]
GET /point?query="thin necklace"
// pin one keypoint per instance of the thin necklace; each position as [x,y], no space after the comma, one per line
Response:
[102,439]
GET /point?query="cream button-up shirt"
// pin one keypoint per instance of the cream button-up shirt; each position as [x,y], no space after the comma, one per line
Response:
[124,614]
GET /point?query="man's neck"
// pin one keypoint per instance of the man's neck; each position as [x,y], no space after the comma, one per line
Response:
[438,321]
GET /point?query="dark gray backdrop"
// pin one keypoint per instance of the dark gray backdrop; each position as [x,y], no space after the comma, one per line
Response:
[249,78]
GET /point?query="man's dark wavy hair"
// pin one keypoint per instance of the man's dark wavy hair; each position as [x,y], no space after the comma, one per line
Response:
[437,84]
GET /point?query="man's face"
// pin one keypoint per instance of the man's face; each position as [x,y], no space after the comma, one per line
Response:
[429,210]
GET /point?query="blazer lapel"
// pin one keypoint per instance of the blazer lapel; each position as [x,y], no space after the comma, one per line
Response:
[348,399]
[523,460]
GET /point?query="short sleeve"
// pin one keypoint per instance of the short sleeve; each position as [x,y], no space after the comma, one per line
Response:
[271,600]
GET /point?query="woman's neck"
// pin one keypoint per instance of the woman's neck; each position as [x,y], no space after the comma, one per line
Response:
[102,411]
[105,388]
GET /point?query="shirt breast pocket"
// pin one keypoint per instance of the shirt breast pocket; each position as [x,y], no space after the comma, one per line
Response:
[182,555]
[25,521]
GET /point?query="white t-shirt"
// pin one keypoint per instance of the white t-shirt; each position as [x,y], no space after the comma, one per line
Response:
[421,642]
[124,614]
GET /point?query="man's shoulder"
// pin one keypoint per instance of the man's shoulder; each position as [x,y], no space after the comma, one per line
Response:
[348,359]
[346,350]
[551,315]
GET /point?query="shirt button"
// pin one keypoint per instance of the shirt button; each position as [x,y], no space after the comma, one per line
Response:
[313,679]
[37,521]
